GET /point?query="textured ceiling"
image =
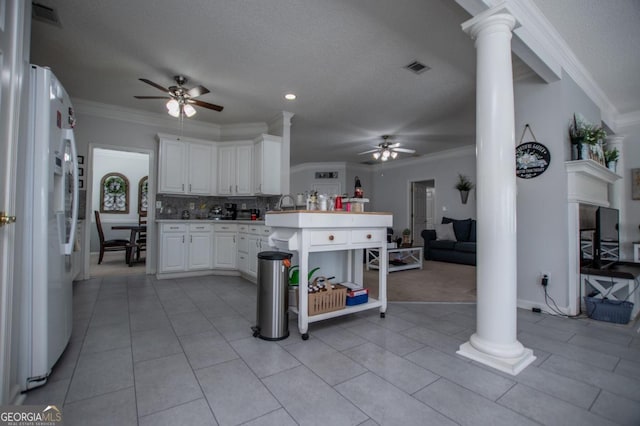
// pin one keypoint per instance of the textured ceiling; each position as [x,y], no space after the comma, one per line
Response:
[344,60]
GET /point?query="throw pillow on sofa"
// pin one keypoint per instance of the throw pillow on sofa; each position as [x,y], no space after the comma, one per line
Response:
[461,227]
[445,232]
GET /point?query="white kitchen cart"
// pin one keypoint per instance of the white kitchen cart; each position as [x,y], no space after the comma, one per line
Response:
[308,232]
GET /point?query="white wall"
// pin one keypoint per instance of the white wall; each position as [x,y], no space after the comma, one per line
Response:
[630,227]
[392,185]
[542,209]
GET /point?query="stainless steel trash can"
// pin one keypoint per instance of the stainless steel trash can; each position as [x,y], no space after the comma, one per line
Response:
[272,315]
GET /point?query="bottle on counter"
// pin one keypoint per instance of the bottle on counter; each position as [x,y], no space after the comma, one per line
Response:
[358,193]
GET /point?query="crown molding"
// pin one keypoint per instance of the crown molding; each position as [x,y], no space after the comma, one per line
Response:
[231,132]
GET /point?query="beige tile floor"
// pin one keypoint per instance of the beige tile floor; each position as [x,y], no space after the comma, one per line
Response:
[181,352]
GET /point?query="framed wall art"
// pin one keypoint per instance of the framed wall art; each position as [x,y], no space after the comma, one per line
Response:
[635,184]
[143,192]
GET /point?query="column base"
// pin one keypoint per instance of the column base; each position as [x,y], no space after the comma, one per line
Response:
[511,366]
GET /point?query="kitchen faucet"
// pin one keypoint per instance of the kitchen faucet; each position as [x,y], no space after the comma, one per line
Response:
[279,205]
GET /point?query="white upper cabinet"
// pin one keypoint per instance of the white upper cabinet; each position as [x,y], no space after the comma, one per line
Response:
[267,152]
[186,166]
[235,165]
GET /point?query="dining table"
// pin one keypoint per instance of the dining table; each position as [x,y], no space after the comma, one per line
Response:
[134,230]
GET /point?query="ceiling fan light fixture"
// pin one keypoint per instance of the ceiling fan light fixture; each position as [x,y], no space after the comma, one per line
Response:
[385,154]
[394,155]
[189,111]
[376,155]
[173,107]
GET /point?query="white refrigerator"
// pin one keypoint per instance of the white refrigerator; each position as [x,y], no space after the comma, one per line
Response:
[48,206]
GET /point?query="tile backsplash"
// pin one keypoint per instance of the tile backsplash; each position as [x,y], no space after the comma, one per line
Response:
[173,206]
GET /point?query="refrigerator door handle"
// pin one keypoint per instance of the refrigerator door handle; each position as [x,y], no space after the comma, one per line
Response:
[67,135]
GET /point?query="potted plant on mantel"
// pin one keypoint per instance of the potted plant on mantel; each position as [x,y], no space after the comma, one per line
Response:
[585,137]
[611,158]
[464,185]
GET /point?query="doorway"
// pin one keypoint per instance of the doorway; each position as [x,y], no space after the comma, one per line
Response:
[422,207]
[134,166]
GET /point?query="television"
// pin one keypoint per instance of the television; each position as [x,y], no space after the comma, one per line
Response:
[606,244]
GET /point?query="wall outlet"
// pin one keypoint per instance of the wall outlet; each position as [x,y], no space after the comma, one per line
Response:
[243,206]
[545,277]
[192,206]
[158,204]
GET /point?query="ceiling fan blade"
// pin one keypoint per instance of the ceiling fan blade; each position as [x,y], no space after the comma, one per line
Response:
[368,152]
[152,97]
[408,151]
[394,145]
[151,83]
[197,91]
[205,104]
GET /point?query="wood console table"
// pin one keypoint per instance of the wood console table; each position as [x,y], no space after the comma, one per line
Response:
[306,232]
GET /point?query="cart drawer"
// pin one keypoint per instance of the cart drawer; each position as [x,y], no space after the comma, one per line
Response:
[367,235]
[331,238]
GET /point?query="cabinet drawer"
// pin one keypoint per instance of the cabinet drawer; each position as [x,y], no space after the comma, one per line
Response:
[324,238]
[367,235]
[243,227]
[226,227]
[255,229]
[200,227]
[174,227]
[266,230]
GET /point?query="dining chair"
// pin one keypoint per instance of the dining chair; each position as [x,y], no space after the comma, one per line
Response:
[111,245]
[141,242]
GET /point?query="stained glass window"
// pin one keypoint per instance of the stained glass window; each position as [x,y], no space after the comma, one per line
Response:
[143,192]
[114,193]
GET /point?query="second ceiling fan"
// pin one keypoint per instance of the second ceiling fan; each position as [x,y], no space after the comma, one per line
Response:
[386,149]
[181,99]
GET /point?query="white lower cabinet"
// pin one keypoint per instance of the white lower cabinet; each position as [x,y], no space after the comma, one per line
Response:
[253,239]
[185,247]
[225,246]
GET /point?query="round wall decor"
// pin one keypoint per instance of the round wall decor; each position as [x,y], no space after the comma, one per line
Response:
[532,159]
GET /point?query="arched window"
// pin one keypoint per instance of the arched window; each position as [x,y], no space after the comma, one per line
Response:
[114,193]
[143,192]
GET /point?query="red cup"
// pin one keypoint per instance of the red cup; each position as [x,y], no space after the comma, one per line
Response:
[338,205]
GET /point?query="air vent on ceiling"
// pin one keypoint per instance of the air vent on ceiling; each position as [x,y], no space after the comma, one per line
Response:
[417,67]
[43,13]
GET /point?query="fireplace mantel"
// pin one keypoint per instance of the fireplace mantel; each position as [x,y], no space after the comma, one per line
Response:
[587,182]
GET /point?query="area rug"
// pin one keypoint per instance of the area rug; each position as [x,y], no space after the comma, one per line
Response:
[436,282]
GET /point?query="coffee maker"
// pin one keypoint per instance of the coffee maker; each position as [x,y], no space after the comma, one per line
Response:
[230,211]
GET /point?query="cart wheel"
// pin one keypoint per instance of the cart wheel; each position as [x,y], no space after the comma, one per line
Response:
[305,336]
[382,314]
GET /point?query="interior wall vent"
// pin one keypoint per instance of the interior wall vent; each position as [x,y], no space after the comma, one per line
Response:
[42,13]
[417,67]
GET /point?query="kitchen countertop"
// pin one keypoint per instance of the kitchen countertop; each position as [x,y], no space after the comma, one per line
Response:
[249,222]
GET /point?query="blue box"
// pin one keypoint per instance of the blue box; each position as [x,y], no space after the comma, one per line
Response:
[357,297]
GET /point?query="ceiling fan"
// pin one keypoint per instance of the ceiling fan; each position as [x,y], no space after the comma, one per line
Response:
[181,99]
[386,149]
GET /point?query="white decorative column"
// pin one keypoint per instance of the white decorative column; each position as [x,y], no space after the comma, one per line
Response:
[495,343]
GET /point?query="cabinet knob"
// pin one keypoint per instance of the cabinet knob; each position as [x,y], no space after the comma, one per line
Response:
[368,236]
[331,237]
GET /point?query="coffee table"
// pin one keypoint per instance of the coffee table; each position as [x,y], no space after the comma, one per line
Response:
[400,259]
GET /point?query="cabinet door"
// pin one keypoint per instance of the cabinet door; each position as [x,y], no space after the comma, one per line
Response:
[225,250]
[173,254]
[200,250]
[226,172]
[244,166]
[172,166]
[252,260]
[200,169]
[267,165]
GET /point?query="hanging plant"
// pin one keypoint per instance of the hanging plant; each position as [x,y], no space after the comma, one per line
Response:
[464,184]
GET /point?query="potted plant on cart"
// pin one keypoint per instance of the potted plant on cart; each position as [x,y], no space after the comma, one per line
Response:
[464,185]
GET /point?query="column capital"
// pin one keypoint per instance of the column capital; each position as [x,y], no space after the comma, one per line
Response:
[495,19]
[617,140]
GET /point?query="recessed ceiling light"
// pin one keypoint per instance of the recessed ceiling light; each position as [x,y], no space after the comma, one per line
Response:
[289,96]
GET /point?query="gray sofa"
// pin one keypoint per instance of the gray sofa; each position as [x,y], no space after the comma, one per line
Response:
[463,250]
